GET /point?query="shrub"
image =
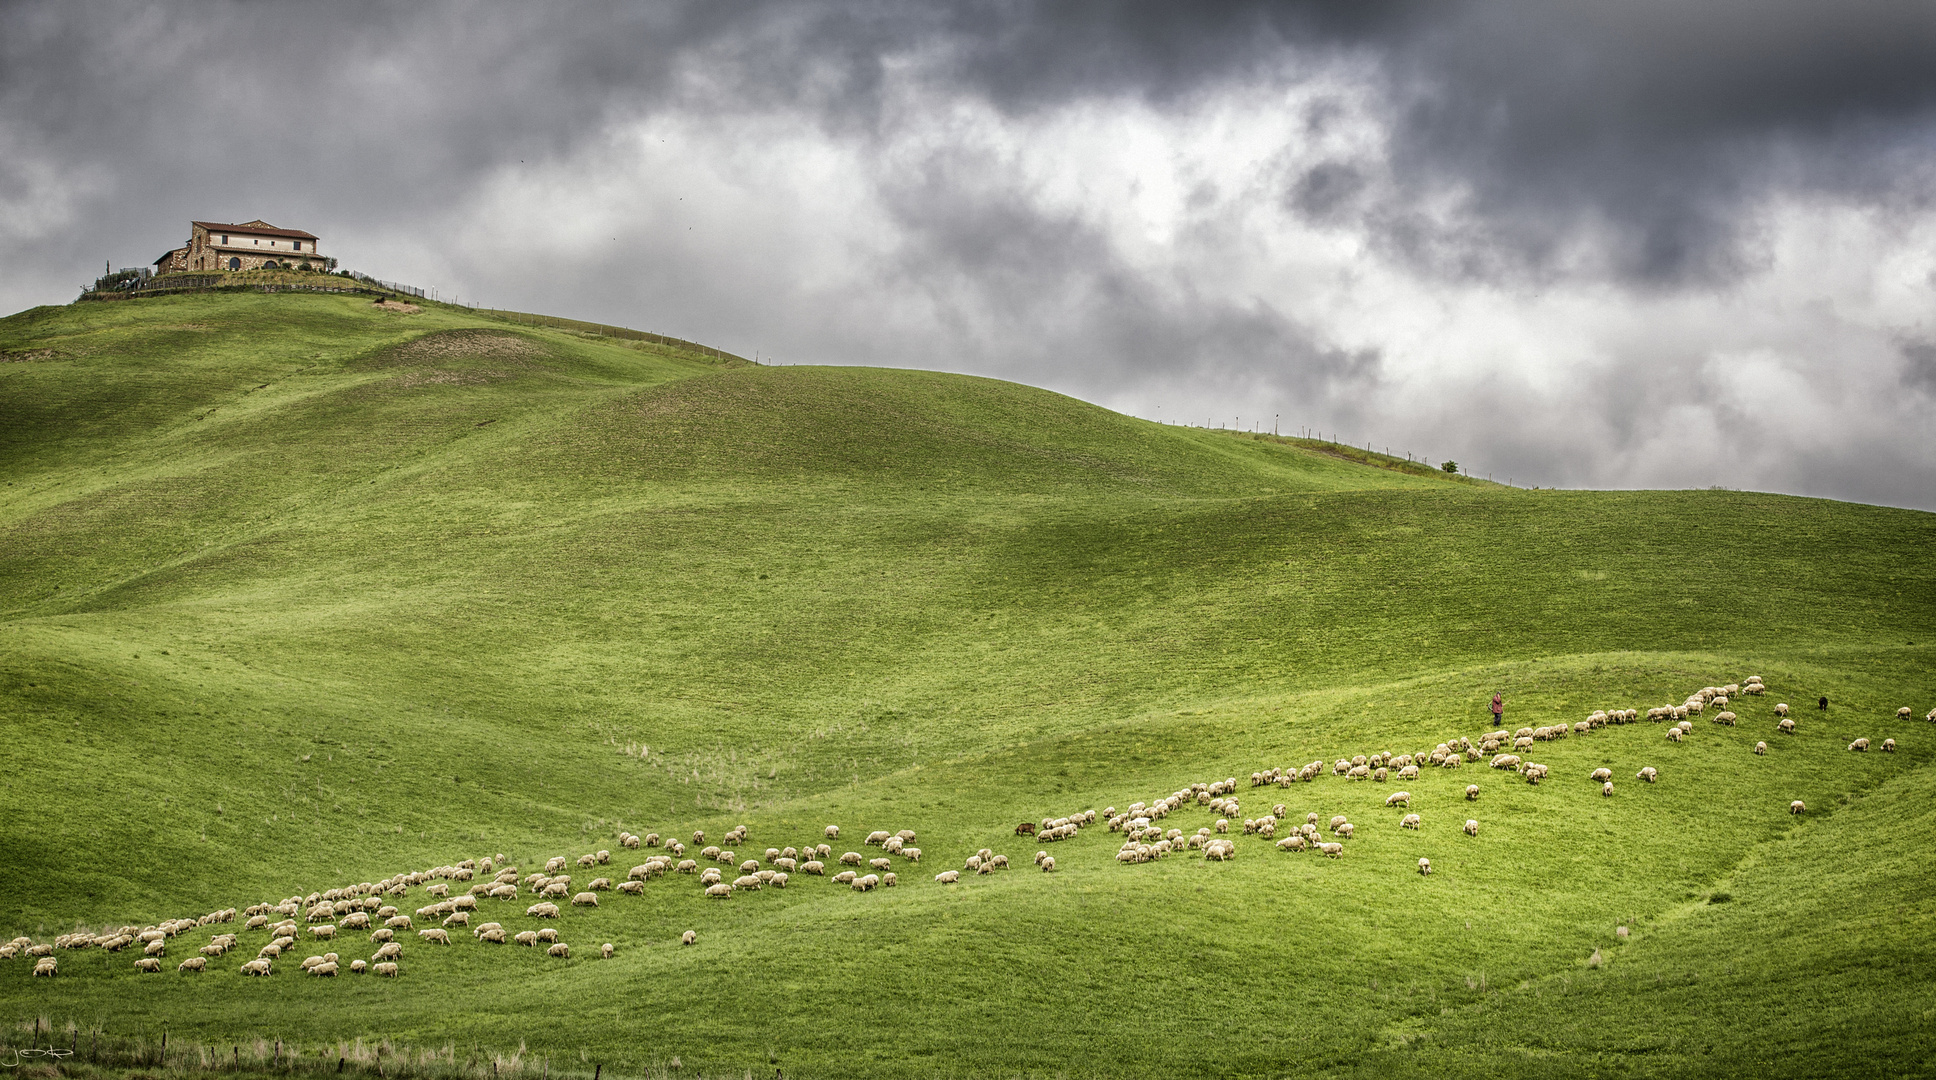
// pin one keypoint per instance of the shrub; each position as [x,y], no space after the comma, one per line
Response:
[1449,466]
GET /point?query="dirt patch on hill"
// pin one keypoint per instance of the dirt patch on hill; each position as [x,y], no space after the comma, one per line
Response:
[467,345]
[397,306]
[28,356]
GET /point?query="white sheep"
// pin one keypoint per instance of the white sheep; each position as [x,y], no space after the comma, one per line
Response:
[585,899]
[1904,713]
[1786,727]
[1409,821]
[1600,775]
[1796,807]
[1399,798]
[1648,775]
[1471,827]
[435,936]
[1860,746]
[1472,793]
[833,832]
[1606,790]
[689,937]
[385,970]
[719,890]
[1425,866]
[1047,862]
[1888,746]
[1761,748]
[948,877]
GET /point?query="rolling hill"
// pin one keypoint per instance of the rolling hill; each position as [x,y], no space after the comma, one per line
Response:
[298,593]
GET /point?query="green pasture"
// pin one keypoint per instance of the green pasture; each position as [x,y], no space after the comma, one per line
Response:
[297,593]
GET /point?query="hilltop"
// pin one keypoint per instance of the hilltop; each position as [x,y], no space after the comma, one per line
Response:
[297,593]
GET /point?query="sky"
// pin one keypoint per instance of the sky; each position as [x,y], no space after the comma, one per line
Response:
[1652,244]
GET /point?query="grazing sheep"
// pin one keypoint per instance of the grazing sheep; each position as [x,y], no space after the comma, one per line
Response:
[324,970]
[1471,827]
[389,950]
[877,837]
[1425,866]
[850,858]
[1786,727]
[527,938]
[1888,746]
[1860,746]
[1409,821]
[1904,713]
[256,967]
[1648,774]
[1294,842]
[1399,798]
[1601,775]
[719,890]
[833,832]
[1781,708]
[398,922]
[555,864]
[385,970]
[435,936]
[1761,748]
[999,862]
[1606,790]
[358,967]
[1345,830]
[149,963]
[1796,807]
[585,899]
[1335,851]
[382,935]
[1047,862]
[948,877]
[193,963]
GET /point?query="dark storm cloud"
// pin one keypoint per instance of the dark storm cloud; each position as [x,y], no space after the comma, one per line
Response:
[1434,214]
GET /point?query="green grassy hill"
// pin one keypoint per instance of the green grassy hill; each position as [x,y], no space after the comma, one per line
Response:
[297,593]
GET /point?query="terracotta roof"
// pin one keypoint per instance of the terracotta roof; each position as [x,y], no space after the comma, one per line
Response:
[254,228]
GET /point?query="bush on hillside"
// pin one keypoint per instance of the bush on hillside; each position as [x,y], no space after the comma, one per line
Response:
[1449,466]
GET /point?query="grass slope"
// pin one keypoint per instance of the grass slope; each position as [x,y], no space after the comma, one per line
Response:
[297,593]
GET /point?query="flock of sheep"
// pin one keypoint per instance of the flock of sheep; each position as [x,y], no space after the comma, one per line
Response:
[366,907]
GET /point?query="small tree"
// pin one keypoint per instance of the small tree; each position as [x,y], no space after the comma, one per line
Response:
[1449,466]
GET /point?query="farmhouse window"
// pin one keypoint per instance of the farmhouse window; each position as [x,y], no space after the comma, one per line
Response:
[235,263]
[225,238]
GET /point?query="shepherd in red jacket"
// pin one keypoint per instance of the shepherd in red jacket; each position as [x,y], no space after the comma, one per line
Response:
[1498,708]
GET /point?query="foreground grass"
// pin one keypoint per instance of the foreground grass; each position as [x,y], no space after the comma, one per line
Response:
[297,593]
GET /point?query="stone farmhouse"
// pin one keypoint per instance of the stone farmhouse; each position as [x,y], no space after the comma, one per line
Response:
[252,245]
